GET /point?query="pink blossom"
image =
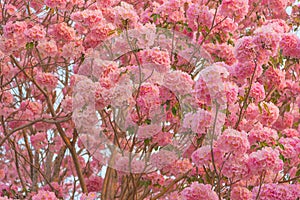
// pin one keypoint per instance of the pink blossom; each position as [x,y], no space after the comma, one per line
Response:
[62,31]
[262,134]
[44,195]
[270,113]
[36,32]
[240,193]
[290,45]
[197,14]
[233,141]
[221,52]
[264,159]
[162,158]
[94,183]
[56,3]
[289,132]
[202,156]
[39,140]
[197,122]
[236,9]
[179,82]
[148,131]
[275,77]
[87,17]
[231,90]
[157,59]
[89,196]
[291,150]
[257,92]
[125,12]
[46,80]
[277,191]
[47,48]
[162,138]
[244,49]
[252,112]
[235,167]
[198,191]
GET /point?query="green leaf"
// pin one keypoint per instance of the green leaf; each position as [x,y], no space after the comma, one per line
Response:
[148,121]
[282,157]
[281,146]
[174,111]
[147,141]
[155,17]
[298,173]
[168,105]
[266,108]
[29,45]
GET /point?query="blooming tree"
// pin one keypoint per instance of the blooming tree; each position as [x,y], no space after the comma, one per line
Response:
[161,99]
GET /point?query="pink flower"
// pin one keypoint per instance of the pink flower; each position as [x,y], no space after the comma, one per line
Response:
[197,14]
[197,122]
[56,3]
[37,33]
[263,160]
[262,134]
[277,191]
[240,193]
[289,132]
[257,92]
[235,9]
[235,167]
[199,191]
[290,45]
[179,82]
[202,156]
[231,90]
[221,52]
[47,80]
[125,12]
[89,196]
[157,59]
[162,158]
[47,48]
[291,150]
[38,140]
[148,99]
[244,49]
[42,194]
[270,113]
[94,183]
[87,17]
[62,32]
[162,138]
[148,131]
[275,77]
[252,112]
[233,141]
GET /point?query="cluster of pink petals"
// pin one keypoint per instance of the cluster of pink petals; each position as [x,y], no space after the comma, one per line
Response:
[46,80]
[240,193]
[290,45]
[236,9]
[198,191]
[270,113]
[179,82]
[233,141]
[263,160]
[198,15]
[262,134]
[277,192]
[42,194]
